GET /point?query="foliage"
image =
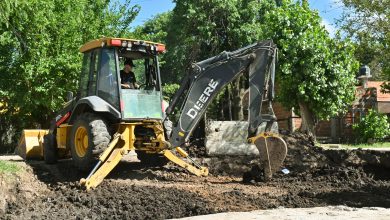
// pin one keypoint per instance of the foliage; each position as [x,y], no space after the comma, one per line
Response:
[39,58]
[367,23]
[372,126]
[313,68]
[169,90]
[39,41]
[155,29]
[385,87]
[201,29]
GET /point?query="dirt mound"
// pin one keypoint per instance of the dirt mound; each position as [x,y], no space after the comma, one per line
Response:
[303,155]
[16,188]
[197,148]
[117,200]
[305,160]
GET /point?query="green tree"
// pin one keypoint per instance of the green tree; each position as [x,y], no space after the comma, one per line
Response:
[373,126]
[315,72]
[156,30]
[367,23]
[201,29]
[39,57]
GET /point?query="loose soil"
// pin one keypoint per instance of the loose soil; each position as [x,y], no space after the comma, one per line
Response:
[317,177]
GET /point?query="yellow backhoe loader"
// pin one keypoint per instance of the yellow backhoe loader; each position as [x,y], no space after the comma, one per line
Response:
[107,119]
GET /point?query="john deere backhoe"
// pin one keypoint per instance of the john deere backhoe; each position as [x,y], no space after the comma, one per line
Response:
[105,121]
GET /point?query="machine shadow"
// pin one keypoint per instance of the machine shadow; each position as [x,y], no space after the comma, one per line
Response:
[65,172]
[367,196]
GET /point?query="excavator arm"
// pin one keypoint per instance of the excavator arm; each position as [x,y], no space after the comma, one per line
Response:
[207,78]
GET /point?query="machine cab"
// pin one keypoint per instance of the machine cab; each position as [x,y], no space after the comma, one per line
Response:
[104,75]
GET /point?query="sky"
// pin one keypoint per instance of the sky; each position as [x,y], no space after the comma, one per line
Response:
[329,10]
[149,8]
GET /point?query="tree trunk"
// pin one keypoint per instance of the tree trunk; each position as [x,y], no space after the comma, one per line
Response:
[308,122]
[229,100]
[226,105]
[236,99]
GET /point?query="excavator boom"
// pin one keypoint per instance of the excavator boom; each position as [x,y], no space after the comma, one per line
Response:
[207,78]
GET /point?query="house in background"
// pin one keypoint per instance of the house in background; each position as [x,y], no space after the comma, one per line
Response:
[368,96]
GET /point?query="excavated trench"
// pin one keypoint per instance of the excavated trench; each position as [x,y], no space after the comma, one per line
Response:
[317,177]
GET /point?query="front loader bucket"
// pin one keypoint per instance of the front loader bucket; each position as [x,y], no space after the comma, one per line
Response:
[30,144]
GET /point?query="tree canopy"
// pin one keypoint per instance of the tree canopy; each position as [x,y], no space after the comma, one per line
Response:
[200,29]
[315,74]
[367,23]
[40,61]
[39,56]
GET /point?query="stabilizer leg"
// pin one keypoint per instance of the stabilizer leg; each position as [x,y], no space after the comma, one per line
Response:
[107,162]
[197,169]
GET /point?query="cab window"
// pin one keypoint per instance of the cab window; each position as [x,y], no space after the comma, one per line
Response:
[94,73]
[144,72]
[84,78]
[107,85]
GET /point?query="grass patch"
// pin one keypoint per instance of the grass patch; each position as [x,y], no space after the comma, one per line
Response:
[373,145]
[8,167]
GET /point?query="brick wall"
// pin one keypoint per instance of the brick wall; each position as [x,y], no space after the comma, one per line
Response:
[342,126]
[323,129]
[287,120]
[283,115]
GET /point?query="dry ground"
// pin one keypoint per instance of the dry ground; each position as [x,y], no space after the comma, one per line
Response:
[318,178]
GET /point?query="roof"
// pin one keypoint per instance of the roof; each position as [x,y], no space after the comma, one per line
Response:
[106,41]
[381,97]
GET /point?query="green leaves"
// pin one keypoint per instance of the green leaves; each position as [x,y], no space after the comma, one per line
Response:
[367,23]
[169,90]
[373,126]
[313,68]
[201,29]
[39,51]
[40,62]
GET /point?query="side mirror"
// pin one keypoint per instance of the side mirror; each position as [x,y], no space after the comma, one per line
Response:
[69,96]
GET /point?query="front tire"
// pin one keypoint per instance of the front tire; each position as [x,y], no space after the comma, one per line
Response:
[89,136]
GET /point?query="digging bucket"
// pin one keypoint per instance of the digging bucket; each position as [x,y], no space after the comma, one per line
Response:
[30,144]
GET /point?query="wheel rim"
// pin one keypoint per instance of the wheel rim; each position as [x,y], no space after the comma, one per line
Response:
[81,141]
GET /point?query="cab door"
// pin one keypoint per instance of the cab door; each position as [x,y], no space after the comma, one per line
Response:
[108,86]
[89,73]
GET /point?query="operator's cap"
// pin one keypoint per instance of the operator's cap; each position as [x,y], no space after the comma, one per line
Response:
[129,62]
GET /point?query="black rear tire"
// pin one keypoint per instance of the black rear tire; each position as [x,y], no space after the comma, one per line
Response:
[50,154]
[89,137]
[151,159]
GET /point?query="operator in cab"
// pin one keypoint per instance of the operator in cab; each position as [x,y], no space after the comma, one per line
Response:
[128,80]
